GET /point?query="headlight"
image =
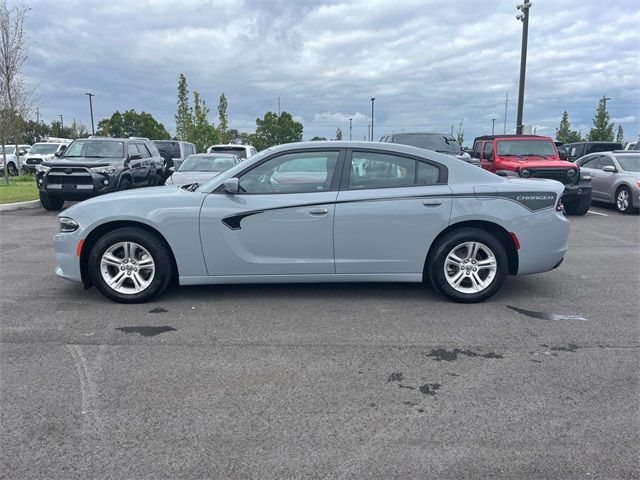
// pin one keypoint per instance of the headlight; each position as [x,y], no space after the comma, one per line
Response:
[525,173]
[571,173]
[42,168]
[68,224]
[107,169]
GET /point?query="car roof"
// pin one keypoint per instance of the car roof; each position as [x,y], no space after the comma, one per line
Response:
[213,155]
[604,142]
[418,133]
[494,137]
[230,145]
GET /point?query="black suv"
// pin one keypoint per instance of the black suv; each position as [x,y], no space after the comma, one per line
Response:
[96,165]
[580,149]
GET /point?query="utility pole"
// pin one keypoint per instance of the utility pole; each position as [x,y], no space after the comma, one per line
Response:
[93,130]
[506,102]
[369,131]
[372,100]
[493,126]
[524,18]
[37,114]
[278,106]
[61,125]
[604,99]
[452,130]
[350,128]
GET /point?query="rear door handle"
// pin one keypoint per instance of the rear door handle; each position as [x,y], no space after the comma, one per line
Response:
[318,211]
[431,203]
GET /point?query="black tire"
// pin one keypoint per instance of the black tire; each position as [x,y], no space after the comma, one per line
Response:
[125,184]
[12,170]
[157,180]
[435,268]
[619,203]
[158,250]
[579,206]
[51,203]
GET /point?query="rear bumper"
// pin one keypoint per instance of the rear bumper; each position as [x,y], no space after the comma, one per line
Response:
[543,243]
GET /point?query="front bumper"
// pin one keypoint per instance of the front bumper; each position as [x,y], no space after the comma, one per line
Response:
[79,184]
[574,192]
[66,247]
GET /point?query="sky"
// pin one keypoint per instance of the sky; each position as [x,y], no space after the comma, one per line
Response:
[429,64]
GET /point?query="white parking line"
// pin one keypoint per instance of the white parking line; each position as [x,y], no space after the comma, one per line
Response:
[598,213]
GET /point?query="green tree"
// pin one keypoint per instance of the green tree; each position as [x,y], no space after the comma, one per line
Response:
[564,133]
[73,131]
[620,135]
[223,121]
[35,132]
[184,117]
[202,133]
[602,130]
[274,129]
[318,139]
[339,134]
[132,124]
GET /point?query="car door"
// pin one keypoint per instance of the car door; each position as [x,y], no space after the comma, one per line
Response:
[487,159]
[389,210]
[589,166]
[280,222]
[603,181]
[135,163]
[146,171]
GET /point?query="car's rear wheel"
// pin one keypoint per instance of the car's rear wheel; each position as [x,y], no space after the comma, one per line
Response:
[468,265]
[130,265]
[157,180]
[50,202]
[579,206]
[12,170]
[624,201]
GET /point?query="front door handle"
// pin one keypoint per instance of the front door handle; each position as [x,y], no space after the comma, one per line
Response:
[431,203]
[318,211]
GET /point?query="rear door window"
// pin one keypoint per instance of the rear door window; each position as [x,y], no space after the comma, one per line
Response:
[381,170]
[488,151]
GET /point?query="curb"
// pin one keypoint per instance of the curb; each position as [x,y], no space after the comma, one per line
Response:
[19,205]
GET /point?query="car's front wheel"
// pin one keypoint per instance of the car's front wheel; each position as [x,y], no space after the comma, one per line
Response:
[579,206]
[130,265]
[12,170]
[468,265]
[624,203]
[50,202]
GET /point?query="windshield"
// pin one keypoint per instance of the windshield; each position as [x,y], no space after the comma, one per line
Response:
[206,163]
[629,163]
[95,149]
[240,151]
[44,148]
[431,141]
[172,148]
[542,148]
[9,149]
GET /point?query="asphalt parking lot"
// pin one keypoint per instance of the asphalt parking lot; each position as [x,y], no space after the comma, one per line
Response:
[323,381]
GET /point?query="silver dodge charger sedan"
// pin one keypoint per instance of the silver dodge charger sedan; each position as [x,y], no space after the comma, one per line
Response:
[320,212]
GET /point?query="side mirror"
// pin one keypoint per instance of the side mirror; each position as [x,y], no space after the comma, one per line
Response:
[609,168]
[172,169]
[135,156]
[59,154]
[231,186]
[563,155]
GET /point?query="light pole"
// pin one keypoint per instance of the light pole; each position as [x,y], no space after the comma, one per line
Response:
[493,125]
[524,18]
[61,125]
[369,131]
[372,100]
[350,128]
[93,130]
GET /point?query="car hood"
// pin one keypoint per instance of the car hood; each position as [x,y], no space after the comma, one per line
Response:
[535,162]
[186,178]
[80,162]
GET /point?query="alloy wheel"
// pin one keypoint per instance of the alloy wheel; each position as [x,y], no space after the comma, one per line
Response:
[127,268]
[470,267]
[622,200]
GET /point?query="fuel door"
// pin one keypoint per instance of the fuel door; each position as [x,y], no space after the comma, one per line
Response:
[485,192]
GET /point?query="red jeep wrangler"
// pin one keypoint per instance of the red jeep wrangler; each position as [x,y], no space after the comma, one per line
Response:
[532,156]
